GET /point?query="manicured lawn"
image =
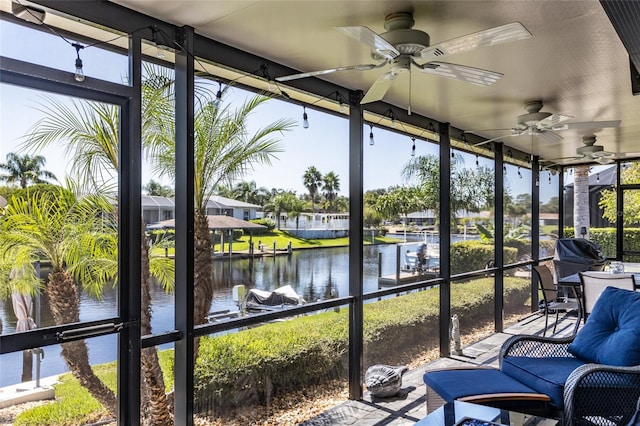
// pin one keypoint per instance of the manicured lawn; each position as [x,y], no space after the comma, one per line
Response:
[282,239]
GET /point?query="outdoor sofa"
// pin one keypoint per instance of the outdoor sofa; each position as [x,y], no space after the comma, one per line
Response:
[590,378]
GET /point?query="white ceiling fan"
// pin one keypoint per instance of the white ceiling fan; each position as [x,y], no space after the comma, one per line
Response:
[402,47]
[590,152]
[544,124]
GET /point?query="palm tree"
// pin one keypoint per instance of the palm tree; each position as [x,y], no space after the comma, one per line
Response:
[278,204]
[330,187]
[56,228]
[224,151]
[581,200]
[24,169]
[312,180]
[295,208]
[157,189]
[89,132]
[244,191]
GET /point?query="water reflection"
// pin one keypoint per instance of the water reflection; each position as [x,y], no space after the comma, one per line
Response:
[314,274]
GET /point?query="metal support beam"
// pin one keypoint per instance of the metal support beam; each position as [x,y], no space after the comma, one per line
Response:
[620,213]
[535,226]
[561,202]
[445,238]
[499,239]
[356,317]
[184,359]
[129,242]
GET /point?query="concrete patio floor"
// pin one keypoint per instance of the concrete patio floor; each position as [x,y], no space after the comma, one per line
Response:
[409,406]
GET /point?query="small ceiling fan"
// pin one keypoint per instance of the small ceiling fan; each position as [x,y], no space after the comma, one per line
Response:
[544,124]
[402,47]
[590,152]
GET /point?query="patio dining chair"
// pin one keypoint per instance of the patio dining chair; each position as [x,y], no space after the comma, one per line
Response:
[552,303]
[593,283]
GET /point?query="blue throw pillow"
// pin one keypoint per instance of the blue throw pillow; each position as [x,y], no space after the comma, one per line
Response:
[611,335]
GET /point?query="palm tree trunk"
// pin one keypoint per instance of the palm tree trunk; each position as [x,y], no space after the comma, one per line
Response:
[581,200]
[157,406]
[65,307]
[203,273]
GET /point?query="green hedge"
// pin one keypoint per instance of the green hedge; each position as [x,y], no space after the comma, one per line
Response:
[469,256]
[251,366]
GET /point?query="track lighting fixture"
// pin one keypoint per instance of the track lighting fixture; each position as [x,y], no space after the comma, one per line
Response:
[371,141]
[598,177]
[79,73]
[305,118]
[453,154]
[504,169]
[413,147]
[477,161]
[519,174]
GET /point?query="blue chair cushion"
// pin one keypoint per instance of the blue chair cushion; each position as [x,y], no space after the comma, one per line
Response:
[610,335]
[454,384]
[544,375]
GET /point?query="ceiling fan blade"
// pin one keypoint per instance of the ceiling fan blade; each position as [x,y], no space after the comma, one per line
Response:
[587,125]
[549,137]
[371,39]
[624,155]
[486,130]
[503,34]
[379,88]
[495,139]
[551,121]
[563,159]
[604,160]
[471,75]
[363,67]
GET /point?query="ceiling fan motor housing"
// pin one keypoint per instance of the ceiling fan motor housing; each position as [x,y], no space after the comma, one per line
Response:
[402,36]
[589,148]
[533,115]
[407,41]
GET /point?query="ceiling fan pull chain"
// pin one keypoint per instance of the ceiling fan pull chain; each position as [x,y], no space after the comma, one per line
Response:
[409,108]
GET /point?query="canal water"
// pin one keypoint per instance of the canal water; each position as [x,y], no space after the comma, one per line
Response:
[313,273]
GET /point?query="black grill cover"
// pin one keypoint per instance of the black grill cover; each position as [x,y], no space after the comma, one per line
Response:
[575,255]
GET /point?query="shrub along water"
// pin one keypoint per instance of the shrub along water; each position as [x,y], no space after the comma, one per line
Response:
[251,366]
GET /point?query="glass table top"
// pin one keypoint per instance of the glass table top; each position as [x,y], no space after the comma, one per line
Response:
[467,414]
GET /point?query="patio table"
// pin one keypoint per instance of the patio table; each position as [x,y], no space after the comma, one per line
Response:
[454,412]
[573,282]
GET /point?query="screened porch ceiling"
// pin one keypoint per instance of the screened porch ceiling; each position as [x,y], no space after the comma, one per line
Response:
[575,62]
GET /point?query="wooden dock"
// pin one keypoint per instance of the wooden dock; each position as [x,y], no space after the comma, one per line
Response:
[405,277]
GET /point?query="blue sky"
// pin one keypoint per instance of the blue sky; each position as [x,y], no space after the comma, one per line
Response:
[323,145]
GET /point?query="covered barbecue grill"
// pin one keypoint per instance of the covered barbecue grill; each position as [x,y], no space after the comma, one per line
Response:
[574,255]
